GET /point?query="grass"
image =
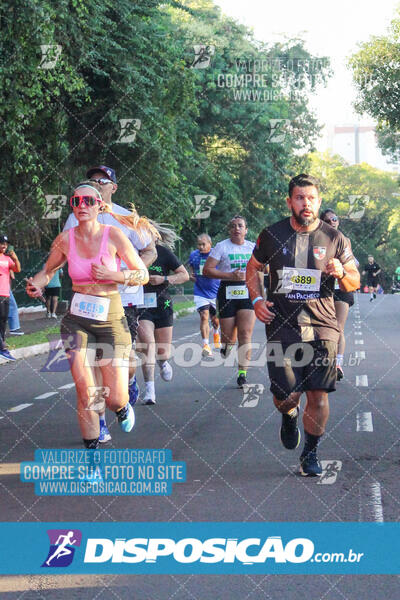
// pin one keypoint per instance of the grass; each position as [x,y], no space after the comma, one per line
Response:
[30,339]
[40,337]
[183,305]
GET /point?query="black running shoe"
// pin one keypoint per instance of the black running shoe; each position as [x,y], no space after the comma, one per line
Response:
[289,432]
[310,465]
[339,373]
[241,380]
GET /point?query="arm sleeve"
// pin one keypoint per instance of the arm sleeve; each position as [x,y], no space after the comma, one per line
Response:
[261,249]
[172,261]
[343,250]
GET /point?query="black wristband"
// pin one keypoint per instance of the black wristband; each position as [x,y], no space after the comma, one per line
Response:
[166,279]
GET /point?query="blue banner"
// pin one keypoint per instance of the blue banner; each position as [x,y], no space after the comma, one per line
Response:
[201,548]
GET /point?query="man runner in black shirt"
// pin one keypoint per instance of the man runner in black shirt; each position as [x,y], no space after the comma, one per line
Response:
[305,256]
[372,269]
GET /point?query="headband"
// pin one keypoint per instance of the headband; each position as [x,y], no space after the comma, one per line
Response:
[91,187]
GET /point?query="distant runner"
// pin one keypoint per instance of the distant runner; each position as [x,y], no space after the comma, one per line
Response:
[8,262]
[372,270]
[227,262]
[205,293]
[343,300]
[156,318]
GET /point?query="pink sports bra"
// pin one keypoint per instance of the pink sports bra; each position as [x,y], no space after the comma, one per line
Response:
[80,269]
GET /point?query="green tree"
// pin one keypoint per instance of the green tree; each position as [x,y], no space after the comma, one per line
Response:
[376,74]
[368,203]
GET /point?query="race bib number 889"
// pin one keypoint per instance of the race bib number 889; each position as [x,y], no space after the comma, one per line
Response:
[305,280]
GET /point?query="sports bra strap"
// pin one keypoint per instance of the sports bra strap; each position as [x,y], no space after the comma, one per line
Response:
[71,239]
[104,241]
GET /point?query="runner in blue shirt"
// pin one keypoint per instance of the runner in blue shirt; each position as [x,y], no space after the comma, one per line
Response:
[205,293]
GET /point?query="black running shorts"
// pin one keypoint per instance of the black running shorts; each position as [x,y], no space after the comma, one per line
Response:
[301,367]
[229,307]
[347,297]
[212,310]
[161,317]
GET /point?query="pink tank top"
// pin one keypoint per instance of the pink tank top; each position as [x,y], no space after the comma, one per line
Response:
[80,269]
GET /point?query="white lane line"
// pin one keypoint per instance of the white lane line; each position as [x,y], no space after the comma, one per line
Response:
[66,387]
[358,341]
[19,407]
[362,380]
[44,396]
[374,501]
[364,421]
[360,354]
[1,417]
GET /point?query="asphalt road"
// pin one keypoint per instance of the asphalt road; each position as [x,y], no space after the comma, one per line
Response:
[237,469]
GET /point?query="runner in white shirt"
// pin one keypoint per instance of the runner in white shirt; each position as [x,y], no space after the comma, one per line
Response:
[104,180]
[227,262]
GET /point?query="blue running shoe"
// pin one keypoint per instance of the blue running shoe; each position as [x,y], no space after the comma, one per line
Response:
[310,465]
[105,435]
[126,418]
[5,354]
[133,391]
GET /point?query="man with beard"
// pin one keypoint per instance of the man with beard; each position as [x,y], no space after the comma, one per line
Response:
[305,256]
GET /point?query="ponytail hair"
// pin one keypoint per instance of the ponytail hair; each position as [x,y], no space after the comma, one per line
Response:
[168,236]
[133,221]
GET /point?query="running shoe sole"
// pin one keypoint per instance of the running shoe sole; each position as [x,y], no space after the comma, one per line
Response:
[149,401]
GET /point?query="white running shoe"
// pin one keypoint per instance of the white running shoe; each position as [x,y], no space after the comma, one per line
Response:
[149,400]
[166,371]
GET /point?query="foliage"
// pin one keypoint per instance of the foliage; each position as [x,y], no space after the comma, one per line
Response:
[368,202]
[376,74]
[134,60]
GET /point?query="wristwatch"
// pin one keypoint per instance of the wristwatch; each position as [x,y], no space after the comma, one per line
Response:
[166,279]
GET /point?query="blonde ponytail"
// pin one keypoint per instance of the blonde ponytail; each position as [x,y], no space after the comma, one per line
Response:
[133,221]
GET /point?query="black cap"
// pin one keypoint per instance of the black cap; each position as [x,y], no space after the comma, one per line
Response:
[3,239]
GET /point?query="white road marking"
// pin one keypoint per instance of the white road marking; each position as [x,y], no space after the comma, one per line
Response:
[364,421]
[362,380]
[18,407]
[1,417]
[46,395]
[330,471]
[374,501]
[66,387]
[360,354]
[358,341]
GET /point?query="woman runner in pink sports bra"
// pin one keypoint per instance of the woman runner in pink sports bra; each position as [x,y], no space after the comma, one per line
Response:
[95,320]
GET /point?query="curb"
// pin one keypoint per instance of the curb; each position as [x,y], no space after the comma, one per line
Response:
[28,351]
